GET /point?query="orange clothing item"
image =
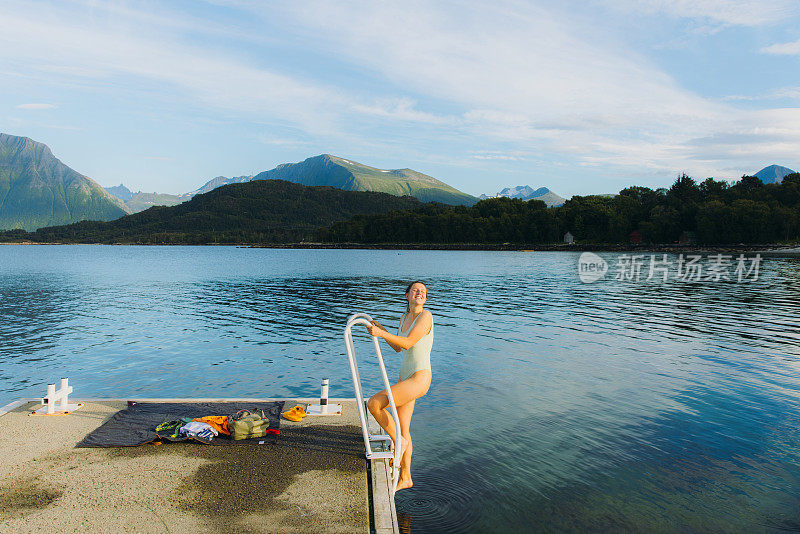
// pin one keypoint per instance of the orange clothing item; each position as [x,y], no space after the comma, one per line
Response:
[218,422]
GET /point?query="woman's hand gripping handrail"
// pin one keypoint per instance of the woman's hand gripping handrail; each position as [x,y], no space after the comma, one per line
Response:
[360,314]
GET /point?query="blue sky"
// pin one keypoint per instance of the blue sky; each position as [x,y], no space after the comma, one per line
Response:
[579,96]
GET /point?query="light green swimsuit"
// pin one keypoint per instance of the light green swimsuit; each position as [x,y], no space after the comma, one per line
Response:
[417,357]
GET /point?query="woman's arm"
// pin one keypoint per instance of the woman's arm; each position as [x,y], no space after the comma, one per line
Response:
[379,325]
[421,327]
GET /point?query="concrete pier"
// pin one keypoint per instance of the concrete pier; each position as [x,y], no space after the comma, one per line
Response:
[315,478]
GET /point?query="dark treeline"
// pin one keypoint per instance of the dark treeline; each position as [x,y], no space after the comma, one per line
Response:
[712,212]
[260,211]
[279,212]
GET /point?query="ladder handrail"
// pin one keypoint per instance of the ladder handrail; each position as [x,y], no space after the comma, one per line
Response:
[363,318]
[361,314]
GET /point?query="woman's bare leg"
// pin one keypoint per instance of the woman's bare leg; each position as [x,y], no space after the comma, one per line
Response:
[404,413]
[403,392]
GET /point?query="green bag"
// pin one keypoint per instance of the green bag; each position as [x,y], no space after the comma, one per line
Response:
[245,424]
[172,429]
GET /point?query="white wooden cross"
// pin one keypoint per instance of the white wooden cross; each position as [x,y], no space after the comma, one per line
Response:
[61,397]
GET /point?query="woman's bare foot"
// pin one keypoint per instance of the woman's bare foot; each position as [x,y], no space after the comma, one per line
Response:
[404,483]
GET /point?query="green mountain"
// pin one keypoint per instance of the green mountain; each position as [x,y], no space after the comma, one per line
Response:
[774,174]
[121,192]
[260,211]
[351,176]
[216,182]
[36,189]
[526,192]
[141,201]
[319,170]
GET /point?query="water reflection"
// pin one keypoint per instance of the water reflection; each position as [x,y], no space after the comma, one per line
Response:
[555,406]
[34,315]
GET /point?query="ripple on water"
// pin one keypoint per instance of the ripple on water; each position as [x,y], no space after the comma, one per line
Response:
[437,503]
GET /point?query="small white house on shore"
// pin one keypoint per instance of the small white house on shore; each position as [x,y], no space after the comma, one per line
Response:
[568,238]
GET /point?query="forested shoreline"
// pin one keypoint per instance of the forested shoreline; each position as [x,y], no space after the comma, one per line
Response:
[277,213]
[259,211]
[710,213]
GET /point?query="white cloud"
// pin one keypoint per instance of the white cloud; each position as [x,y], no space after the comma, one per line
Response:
[785,49]
[403,109]
[497,155]
[520,74]
[64,127]
[748,142]
[74,47]
[36,106]
[505,58]
[283,142]
[739,12]
[784,92]
[509,74]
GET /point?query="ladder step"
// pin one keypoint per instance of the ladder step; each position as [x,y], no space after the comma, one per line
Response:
[380,437]
[379,455]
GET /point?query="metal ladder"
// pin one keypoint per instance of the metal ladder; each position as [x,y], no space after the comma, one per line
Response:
[369,439]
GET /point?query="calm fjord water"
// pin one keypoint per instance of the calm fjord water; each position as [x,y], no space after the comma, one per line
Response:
[555,405]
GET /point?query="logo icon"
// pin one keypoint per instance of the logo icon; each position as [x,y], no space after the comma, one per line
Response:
[591,267]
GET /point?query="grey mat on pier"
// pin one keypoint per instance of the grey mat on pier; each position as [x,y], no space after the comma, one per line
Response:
[136,424]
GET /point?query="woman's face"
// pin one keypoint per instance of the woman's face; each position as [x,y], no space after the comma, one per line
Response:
[417,295]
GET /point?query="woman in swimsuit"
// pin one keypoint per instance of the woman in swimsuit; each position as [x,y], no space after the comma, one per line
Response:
[415,339]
